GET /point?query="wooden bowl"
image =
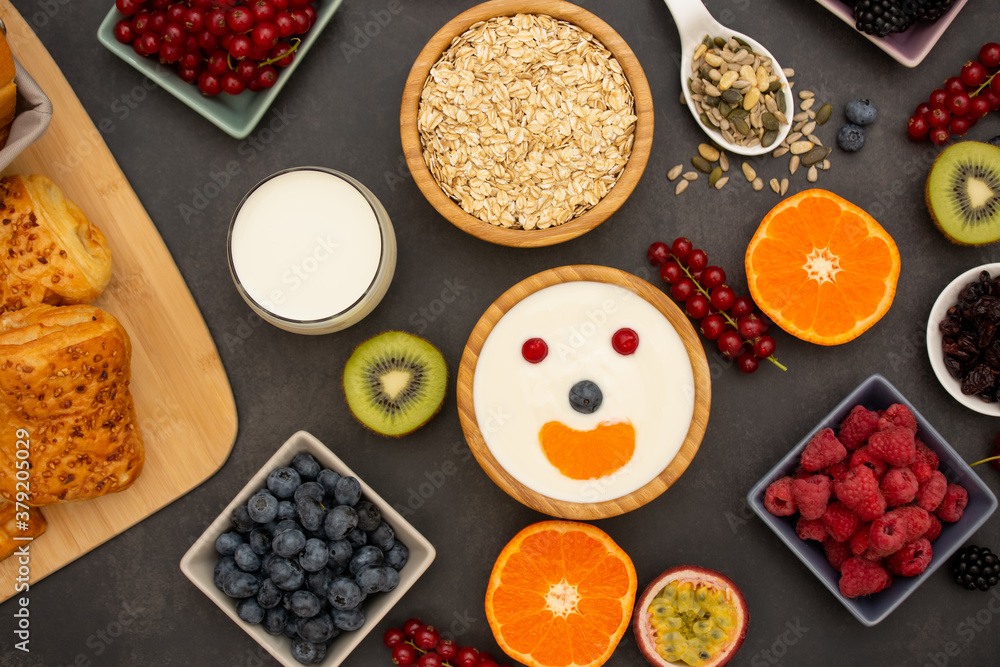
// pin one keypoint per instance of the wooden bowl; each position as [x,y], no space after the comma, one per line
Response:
[581,224]
[534,499]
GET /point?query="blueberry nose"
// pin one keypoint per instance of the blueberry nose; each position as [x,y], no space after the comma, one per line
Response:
[585,397]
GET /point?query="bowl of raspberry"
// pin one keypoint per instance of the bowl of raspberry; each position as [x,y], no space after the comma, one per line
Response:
[872,500]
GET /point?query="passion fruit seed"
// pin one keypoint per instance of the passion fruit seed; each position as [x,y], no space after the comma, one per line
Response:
[691,623]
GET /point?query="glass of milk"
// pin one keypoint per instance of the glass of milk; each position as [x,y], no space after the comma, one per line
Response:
[311,250]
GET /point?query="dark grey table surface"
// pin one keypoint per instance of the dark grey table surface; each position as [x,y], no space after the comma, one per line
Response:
[127,603]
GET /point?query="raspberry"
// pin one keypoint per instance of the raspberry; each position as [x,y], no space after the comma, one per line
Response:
[926,463]
[812,494]
[888,533]
[779,499]
[811,529]
[953,506]
[931,492]
[840,521]
[859,491]
[857,427]
[895,446]
[899,486]
[823,450]
[863,456]
[917,521]
[861,577]
[859,540]
[911,560]
[837,553]
[899,416]
[837,470]
[934,531]
[873,556]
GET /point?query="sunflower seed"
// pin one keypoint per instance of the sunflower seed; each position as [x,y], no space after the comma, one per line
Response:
[780,114]
[793,165]
[681,187]
[799,117]
[712,59]
[793,137]
[809,128]
[807,105]
[779,151]
[723,161]
[788,72]
[719,184]
[690,176]
[710,153]
[824,165]
[775,186]
[757,185]
[784,186]
[806,94]
[823,114]
[674,173]
[800,147]
[749,172]
[812,175]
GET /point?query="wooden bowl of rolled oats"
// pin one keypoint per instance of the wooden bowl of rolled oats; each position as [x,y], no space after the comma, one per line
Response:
[526,123]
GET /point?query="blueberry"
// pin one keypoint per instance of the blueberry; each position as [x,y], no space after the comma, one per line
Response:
[369,516]
[340,552]
[227,543]
[349,619]
[383,537]
[372,579]
[260,541]
[286,525]
[367,556]
[282,482]
[241,585]
[242,521]
[328,478]
[310,491]
[308,653]
[250,611]
[269,594]
[287,510]
[225,567]
[286,574]
[291,629]
[289,543]
[995,140]
[585,397]
[314,555]
[397,556]
[305,604]
[340,521]
[263,507]
[265,560]
[318,582]
[275,620]
[246,559]
[357,538]
[861,112]
[344,593]
[348,491]
[318,629]
[306,466]
[311,514]
[392,579]
[851,138]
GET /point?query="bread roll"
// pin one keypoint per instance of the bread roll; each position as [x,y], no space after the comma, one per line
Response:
[52,253]
[9,527]
[64,378]
[8,90]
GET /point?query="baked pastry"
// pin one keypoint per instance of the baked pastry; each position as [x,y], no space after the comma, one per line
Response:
[9,528]
[64,378]
[52,253]
[8,90]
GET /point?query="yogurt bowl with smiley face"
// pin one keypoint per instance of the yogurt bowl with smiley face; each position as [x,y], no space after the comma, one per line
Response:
[584,392]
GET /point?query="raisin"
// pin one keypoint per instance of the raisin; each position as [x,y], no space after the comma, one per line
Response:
[967,343]
[992,355]
[954,366]
[978,380]
[986,331]
[950,327]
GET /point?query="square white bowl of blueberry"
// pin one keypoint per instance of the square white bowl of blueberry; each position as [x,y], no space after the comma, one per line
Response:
[307,558]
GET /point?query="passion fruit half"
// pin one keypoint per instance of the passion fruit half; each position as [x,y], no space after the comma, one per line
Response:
[690,616]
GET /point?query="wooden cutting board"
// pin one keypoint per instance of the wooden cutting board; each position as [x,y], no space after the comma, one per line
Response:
[182,396]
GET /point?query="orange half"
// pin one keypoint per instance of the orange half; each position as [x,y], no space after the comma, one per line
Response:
[822,268]
[560,595]
[588,454]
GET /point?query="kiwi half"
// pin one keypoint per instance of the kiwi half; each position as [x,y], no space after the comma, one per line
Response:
[395,382]
[963,193]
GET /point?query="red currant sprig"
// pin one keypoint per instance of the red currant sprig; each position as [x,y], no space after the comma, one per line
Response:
[421,645]
[725,317]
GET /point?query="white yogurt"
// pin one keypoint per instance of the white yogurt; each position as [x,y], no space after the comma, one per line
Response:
[652,388]
[311,250]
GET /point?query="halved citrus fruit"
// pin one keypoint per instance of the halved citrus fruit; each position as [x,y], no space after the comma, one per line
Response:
[560,595]
[823,269]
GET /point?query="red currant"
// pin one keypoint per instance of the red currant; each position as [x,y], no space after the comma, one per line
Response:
[411,626]
[254,86]
[742,305]
[980,107]
[426,637]
[148,43]
[992,98]
[712,277]
[174,33]
[682,289]
[140,23]
[282,54]
[208,83]
[232,84]
[534,350]
[262,10]
[671,272]
[723,297]
[989,55]
[189,74]
[285,24]
[393,636]
[939,96]
[239,19]
[311,14]
[189,60]
[466,657]
[959,125]
[697,306]
[749,326]
[697,259]
[487,662]
[939,136]
[939,116]
[265,35]
[658,253]
[403,654]
[747,362]
[922,110]
[177,12]
[995,84]
[763,347]
[218,63]
[730,343]
[973,73]
[128,7]
[712,326]
[266,76]
[240,47]
[301,21]
[681,247]
[170,53]
[917,127]
[280,5]
[429,660]
[246,70]
[447,648]
[160,4]
[124,32]
[954,85]
[194,19]
[215,22]
[157,20]
[483,655]
[625,341]
[959,104]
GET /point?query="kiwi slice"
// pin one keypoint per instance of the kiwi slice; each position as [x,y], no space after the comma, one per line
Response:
[963,193]
[395,382]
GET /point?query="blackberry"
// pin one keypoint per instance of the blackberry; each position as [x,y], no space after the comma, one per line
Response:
[932,10]
[882,17]
[976,567]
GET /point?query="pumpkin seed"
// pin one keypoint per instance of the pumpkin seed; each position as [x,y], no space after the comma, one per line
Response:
[681,187]
[705,71]
[738,112]
[749,172]
[675,172]
[690,176]
[773,86]
[714,177]
[710,153]
[732,96]
[701,164]
[743,128]
[823,114]
[719,42]
[721,182]
[769,122]
[708,42]
[782,104]
[710,101]
[704,119]
[812,175]
[724,107]
[769,138]
[816,155]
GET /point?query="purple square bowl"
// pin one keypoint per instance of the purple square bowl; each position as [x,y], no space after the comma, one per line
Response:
[876,393]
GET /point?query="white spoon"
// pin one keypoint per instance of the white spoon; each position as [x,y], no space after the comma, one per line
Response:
[694,22]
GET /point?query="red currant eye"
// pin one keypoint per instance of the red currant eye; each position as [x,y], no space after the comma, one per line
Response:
[625,341]
[534,350]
